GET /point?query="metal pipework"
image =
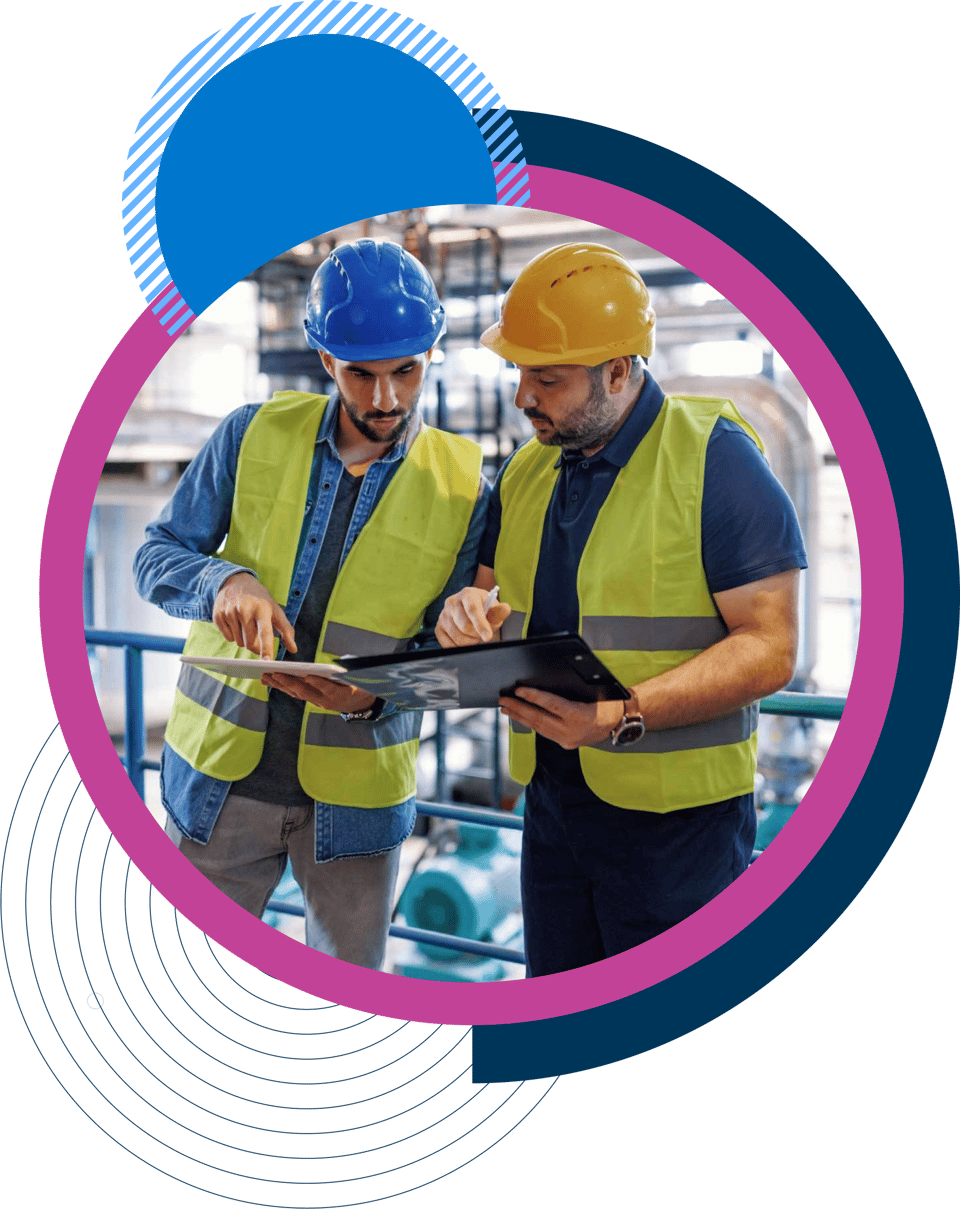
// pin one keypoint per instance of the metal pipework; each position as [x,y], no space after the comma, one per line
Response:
[779,419]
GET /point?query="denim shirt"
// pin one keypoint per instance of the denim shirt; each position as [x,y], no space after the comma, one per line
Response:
[174,569]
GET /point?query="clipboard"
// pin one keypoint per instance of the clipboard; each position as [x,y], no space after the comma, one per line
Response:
[470,677]
[477,676]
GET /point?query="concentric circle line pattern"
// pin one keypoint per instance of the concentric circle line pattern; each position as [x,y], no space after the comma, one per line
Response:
[341,17]
[213,1166]
[266,1053]
[265,1128]
[46,1007]
[269,1028]
[321,1007]
[106,1016]
[291,1083]
[284,1032]
[16,804]
[203,1052]
[262,1103]
[53,910]
[234,1121]
[238,1070]
[243,1201]
[152,1074]
[242,1149]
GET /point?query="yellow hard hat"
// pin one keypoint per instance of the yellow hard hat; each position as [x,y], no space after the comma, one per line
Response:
[576,304]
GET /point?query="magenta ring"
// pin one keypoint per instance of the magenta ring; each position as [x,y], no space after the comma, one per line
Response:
[61,615]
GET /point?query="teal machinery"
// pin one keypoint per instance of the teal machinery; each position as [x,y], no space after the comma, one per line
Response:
[472,891]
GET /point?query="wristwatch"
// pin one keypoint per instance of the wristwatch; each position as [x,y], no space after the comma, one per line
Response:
[370,714]
[630,729]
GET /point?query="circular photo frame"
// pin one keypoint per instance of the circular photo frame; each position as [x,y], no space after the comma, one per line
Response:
[897,699]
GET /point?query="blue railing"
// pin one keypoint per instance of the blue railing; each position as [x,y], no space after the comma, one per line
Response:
[133,645]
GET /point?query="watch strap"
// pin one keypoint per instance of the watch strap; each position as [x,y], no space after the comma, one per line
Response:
[626,722]
[370,714]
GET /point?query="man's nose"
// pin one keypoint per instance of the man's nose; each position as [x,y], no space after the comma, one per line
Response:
[524,397]
[384,396]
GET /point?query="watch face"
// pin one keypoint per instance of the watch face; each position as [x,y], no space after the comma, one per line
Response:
[631,733]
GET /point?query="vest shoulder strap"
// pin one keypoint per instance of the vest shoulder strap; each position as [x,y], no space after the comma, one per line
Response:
[459,454]
[709,409]
[530,459]
[273,472]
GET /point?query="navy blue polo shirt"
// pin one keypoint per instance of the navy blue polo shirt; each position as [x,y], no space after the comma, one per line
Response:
[748,525]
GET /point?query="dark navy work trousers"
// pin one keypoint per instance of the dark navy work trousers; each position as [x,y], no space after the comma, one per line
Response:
[597,879]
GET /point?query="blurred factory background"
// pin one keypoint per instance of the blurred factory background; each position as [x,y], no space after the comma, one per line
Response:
[461,878]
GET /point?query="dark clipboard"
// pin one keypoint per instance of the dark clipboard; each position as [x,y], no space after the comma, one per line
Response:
[476,676]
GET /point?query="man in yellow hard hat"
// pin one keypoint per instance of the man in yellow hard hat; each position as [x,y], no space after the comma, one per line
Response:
[654,527]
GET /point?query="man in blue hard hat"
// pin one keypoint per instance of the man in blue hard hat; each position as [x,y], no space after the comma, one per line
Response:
[315,526]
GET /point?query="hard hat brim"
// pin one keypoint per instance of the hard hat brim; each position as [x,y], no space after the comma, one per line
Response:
[375,352]
[494,339]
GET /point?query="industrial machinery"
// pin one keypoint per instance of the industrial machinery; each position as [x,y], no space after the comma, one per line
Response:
[471,891]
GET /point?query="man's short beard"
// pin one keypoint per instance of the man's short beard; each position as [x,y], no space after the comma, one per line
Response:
[590,425]
[366,429]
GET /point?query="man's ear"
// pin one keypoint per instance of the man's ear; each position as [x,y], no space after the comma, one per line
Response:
[619,373]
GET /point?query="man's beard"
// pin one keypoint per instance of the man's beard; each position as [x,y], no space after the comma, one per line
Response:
[590,425]
[361,421]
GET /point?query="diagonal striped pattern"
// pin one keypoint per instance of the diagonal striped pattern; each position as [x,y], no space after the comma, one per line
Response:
[292,21]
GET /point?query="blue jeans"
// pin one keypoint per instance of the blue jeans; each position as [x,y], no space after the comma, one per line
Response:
[347,903]
[597,879]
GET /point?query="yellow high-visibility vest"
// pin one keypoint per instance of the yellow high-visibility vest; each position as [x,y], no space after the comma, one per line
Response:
[644,606]
[399,563]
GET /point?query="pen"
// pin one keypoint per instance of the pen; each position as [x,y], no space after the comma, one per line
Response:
[491,598]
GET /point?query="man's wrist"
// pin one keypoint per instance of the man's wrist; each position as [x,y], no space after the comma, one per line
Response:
[630,727]
[216,576]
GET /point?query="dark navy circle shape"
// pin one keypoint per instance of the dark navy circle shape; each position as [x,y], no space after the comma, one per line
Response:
[868,826]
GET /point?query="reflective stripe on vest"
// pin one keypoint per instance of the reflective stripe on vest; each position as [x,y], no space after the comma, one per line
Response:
[399,563]
[204,689]
[645,606]
[733,728]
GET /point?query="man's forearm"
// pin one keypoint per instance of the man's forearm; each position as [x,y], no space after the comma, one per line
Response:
[741,668]
[183,582]
[175,567]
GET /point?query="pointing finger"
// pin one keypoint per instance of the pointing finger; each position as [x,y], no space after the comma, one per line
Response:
[284,629]
[265,636]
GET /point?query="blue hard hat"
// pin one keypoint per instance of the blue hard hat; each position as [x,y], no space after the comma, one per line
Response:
[371,301]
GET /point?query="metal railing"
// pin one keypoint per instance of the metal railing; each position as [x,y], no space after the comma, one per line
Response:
[803,705]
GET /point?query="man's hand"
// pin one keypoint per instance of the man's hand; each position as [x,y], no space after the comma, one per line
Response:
[246,614]
[463,621]
[569,723]
[328,694]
